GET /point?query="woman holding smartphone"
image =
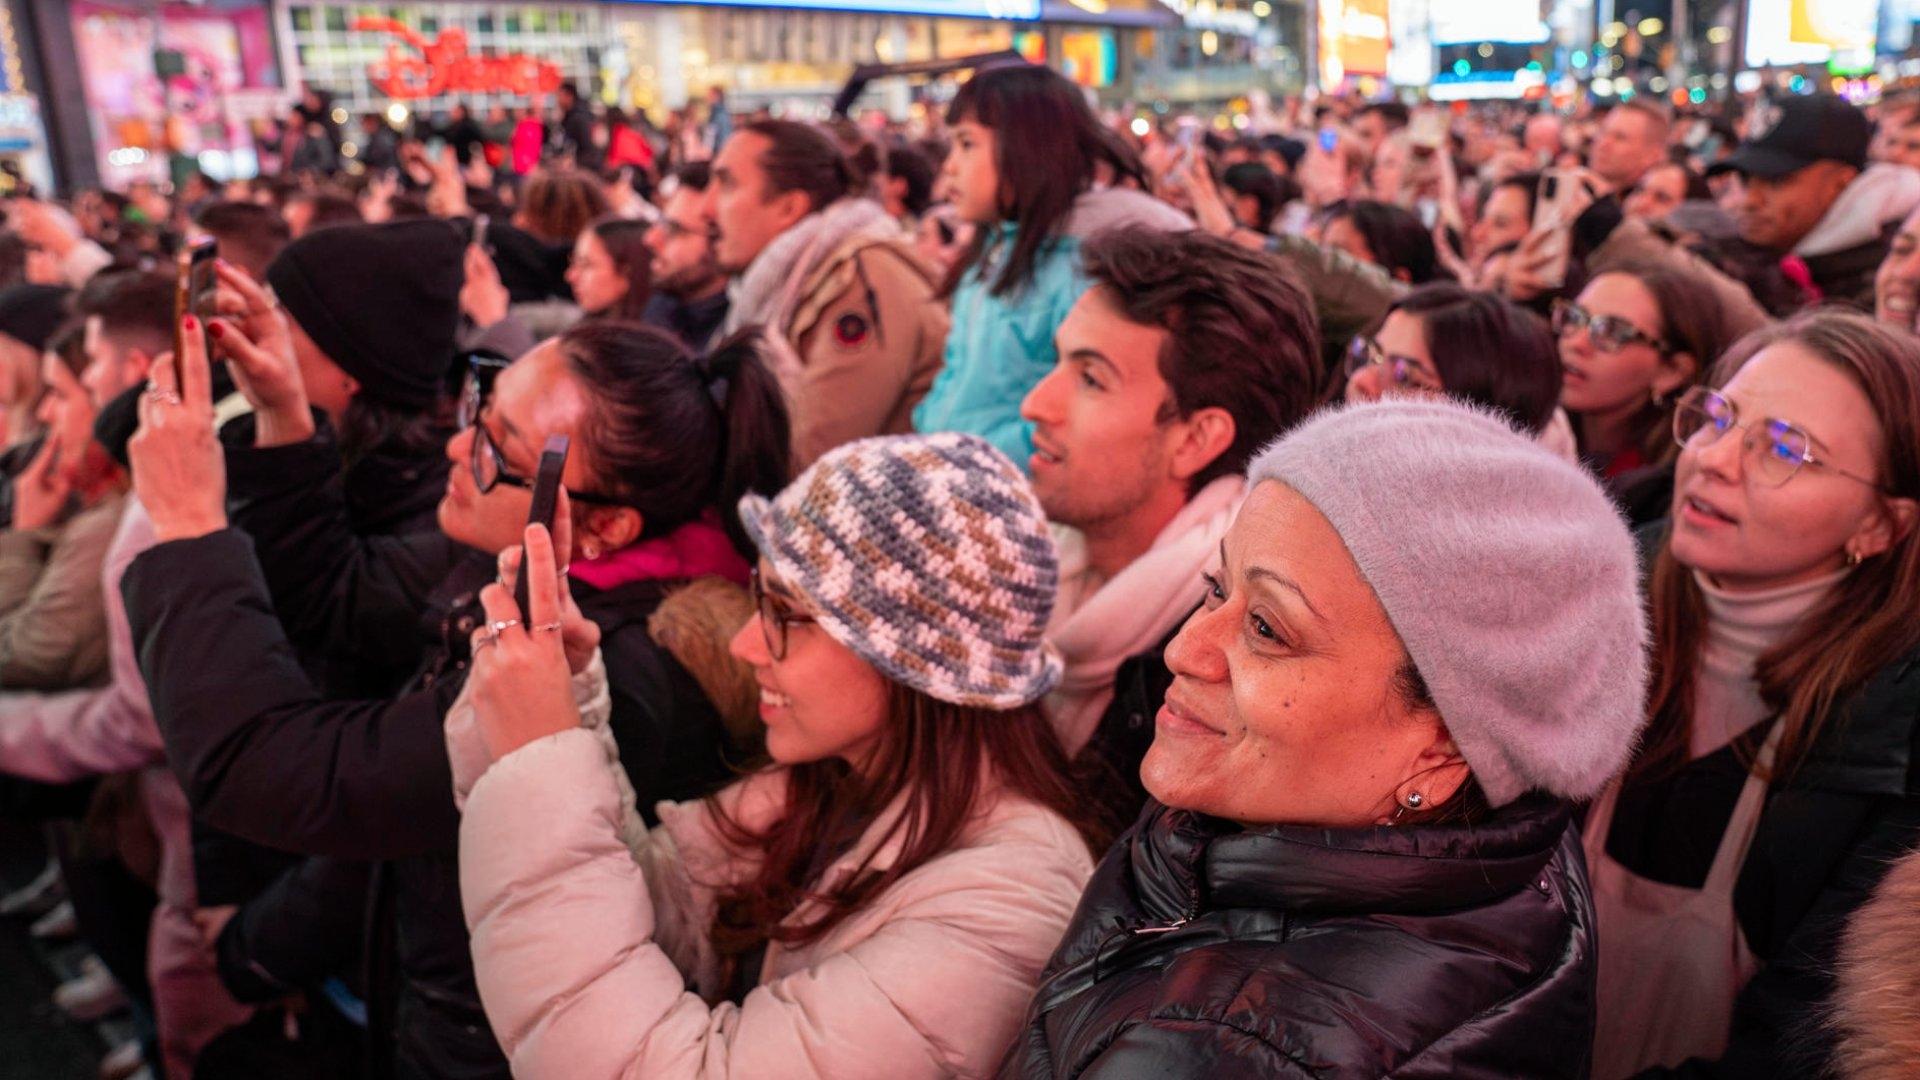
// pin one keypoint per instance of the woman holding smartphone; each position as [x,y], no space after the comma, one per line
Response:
[878,901]
[658,441]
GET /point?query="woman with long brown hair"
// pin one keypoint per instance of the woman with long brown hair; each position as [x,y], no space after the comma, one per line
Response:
[876,903]
[1778,776]
[1633,341]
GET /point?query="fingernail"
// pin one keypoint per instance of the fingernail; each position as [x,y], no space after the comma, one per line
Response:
[216,330]
[190,323]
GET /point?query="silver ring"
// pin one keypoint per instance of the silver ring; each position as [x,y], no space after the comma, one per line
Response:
[273,298]
[162,395]
[501,626]
[554,625]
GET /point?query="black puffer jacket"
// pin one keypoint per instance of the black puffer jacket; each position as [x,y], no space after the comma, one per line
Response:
[1205,950]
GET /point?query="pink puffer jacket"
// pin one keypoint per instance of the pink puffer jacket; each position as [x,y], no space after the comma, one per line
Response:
[586,945]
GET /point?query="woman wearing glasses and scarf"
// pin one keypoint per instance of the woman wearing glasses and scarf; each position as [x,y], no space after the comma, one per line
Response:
[659,444]
[1630,344]
[878,902]
[1778,777]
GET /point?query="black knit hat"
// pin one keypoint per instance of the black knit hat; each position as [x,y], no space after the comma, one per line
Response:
[30,314]
[382,301]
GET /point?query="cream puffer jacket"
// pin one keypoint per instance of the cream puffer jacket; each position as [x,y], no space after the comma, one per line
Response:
[590,931]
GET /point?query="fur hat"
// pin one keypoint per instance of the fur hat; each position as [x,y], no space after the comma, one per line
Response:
[929,556]
[1507,572]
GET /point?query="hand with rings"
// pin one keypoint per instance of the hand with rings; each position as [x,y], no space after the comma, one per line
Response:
[521,689]
[254,336]
[579,635]
[179,469]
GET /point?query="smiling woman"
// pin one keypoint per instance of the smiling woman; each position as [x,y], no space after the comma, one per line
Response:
[1423,643]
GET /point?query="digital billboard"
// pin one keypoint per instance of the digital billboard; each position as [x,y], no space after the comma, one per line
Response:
[1469,22]
[1784,32]
[1023,10]
[1353,39]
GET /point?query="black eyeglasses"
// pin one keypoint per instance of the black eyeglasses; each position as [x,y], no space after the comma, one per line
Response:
[1402,372]
[1609,333]
[1774,449]
[488,464]
[775,617]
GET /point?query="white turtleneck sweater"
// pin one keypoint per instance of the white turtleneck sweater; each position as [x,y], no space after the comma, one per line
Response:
[1741,626]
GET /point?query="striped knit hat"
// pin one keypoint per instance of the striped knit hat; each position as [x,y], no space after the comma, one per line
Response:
[928,556]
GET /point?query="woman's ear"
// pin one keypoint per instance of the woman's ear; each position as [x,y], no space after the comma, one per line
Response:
[1891,521]
[606,528]
[1436,775]
[1677,371]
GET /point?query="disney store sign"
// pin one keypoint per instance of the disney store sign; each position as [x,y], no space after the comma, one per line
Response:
[445,66]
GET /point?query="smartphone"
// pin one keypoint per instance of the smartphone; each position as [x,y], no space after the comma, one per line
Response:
[480,224]
[1329,138]
[1428,130]
[1558,200]
[546,499]
[1186,136]
[193,286]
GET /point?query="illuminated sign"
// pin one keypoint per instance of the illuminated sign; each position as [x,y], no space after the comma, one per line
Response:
[1458,22]
[1022,10]
[1353,39]
[444,66]
[1783,32]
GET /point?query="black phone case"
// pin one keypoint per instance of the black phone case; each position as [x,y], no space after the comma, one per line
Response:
[546,498]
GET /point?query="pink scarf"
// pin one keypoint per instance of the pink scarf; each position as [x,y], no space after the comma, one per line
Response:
[699,548]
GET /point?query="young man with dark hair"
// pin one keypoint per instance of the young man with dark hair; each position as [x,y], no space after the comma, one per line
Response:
[1187,354]
[249,235]
[831,276]
[1373,123]
[906,188]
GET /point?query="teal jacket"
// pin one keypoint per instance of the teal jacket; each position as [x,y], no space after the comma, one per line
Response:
[999,347]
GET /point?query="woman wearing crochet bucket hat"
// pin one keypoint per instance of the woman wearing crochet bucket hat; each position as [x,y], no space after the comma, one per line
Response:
[876,903]
[1423,645]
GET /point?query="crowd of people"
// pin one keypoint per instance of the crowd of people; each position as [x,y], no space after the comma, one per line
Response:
[1377,591]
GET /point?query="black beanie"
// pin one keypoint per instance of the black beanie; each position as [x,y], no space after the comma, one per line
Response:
[382,301]
[30,314]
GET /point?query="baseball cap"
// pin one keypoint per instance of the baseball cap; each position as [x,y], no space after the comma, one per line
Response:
[1787,136]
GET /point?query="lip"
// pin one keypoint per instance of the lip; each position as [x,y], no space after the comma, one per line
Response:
[1703,514]
[1175,718]
[772,708]
[1572,374]
[1899,303]
[1044,452]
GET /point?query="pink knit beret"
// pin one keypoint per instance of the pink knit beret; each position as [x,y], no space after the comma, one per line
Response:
[1507,572]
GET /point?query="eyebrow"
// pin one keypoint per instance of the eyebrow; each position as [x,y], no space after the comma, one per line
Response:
[1261,573]
[1094,356]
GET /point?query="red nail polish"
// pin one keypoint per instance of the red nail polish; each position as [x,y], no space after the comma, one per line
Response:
[190,323]
[216,330]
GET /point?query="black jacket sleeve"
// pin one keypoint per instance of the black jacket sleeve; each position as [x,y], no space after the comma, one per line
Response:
[259,752]
[1778,1019]
[303,928]
[1209,1048]
[348,596]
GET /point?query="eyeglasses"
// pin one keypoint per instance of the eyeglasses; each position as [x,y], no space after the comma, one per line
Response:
[1774,449]
[487,463]
[1402,372]
[1609,333]
[775,617]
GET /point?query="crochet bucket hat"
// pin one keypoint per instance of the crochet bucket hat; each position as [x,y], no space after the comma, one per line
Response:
[929,557]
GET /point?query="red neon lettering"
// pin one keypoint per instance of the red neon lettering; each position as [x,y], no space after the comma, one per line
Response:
[444,66]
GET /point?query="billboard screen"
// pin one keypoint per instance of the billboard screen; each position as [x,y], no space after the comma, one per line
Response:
[1353,39]
[1457,22]
[1781,32]
[1024,10]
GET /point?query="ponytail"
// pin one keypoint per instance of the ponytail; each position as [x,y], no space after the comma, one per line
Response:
[757,437]
[672,436]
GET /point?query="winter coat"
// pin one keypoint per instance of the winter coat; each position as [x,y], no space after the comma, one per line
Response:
[1846,246]
[590,933]
[1203,949]
[1350,297]
[53,632]
[855,324]
[1877,992]
[265,756]
[1001,346]
[60,738]
[692,321]
[1825,838]
[1632,242]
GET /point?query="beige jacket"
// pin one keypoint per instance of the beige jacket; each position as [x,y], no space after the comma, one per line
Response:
[53,616]
[591,949]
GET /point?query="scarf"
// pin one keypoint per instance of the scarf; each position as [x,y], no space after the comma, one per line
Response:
[699,548]
[1134,611]
[765,294]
